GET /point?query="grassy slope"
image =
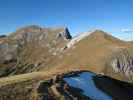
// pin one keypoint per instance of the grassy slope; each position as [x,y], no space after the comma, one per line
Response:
[23,87]
[92,52]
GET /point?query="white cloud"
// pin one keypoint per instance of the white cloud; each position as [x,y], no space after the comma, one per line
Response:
[126,30]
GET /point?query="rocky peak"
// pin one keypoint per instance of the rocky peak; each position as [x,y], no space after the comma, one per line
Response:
[67,34]
[94,34]
[63,32]
[99,34]
[35,31]
[102,36]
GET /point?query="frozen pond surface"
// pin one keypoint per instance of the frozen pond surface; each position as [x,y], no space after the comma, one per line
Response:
[85,82]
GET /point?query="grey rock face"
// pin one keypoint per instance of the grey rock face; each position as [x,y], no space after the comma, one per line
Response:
[65,33]
[21,51]
[34,31]
[8,52]
[122,61]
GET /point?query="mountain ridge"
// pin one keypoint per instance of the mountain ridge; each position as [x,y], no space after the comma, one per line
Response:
[34,60]
[35,48]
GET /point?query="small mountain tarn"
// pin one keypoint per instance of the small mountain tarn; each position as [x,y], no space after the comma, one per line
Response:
[84,86]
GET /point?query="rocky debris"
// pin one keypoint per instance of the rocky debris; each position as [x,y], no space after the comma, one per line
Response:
[18,91]
[39,89]
[58,89]
[122,61]
[55,88]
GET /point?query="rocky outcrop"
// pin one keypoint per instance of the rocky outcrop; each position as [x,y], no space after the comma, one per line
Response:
[30,48]
[67,34]
[122,62]
[8,52]
[35,32]
[64,33]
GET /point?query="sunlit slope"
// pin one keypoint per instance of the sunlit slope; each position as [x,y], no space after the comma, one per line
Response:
[93,52]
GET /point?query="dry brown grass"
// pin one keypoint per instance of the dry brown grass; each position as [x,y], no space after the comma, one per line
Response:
[92,52]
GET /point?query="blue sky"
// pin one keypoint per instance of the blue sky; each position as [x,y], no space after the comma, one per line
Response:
[78,15]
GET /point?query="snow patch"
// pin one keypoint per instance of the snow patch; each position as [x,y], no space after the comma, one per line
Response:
[78,38]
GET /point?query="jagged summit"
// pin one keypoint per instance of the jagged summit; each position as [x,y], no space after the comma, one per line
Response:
[32,46]
[64,31]
[67,34]
[35,31]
